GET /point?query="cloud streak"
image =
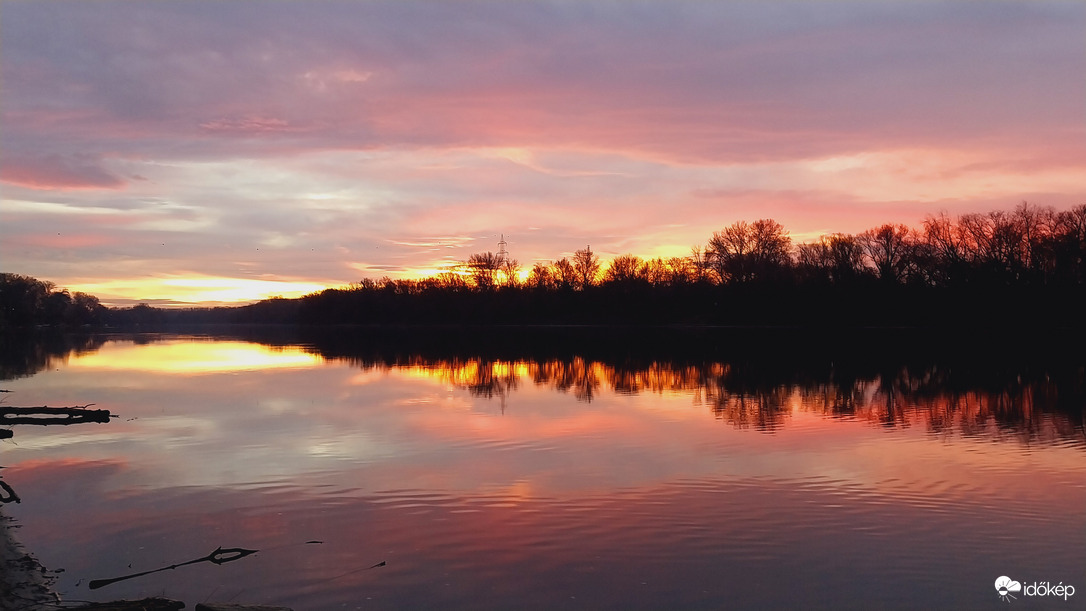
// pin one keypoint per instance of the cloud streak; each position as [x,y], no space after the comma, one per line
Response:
[317,139]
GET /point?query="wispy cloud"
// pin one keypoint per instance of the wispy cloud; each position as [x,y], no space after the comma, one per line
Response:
[323,139]
[62,172]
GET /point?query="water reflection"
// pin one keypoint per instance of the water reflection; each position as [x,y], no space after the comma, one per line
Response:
[759,385]
[552,476]
[195,356]
[24,354]
[1048,408]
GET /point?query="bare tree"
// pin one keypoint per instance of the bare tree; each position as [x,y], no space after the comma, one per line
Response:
[890,249]
[511,272]
[624,269]
[699,261]
[484,268]
[541,277]
[728,251]
[834,258]
[452,281]
[654,272]
[771,244]
[680,270]
[1069,245]
[586,266]
[564,275]
[742,252]
[1038,227]
[945,247]
[811,260]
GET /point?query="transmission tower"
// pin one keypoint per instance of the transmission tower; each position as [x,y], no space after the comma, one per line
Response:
[503,254]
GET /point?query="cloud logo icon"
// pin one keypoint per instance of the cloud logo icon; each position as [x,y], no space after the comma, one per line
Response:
[1005,585]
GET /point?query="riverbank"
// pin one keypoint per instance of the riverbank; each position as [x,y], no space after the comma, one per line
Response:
[25,585]
[24,582]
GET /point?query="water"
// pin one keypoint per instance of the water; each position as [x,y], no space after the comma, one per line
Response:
[594,479]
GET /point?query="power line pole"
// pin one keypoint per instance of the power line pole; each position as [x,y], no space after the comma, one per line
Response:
[503,254]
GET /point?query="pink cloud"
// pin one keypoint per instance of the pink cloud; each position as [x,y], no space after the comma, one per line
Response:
[249,124]
[300,138]
[690,83]
[60,172]
[64,240]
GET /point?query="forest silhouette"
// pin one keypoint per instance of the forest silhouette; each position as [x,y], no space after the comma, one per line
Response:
[1025,267]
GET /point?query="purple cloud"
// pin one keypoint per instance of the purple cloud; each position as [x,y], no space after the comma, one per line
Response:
[314,135]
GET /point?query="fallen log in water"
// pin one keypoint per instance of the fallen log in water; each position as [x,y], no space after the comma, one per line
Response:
[52,415]
[234,607]
[146,604]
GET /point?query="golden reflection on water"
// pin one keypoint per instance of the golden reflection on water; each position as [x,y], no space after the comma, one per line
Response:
[901,398]
[665,468]
[194,357]
[734,393]
[584,378]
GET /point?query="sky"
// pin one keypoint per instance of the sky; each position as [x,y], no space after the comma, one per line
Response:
[183,152]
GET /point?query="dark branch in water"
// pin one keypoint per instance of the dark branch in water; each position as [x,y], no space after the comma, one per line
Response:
[52,415]
[365,568]
[8,495]
[219,556]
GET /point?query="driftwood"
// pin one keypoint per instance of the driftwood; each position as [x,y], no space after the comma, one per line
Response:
[165,604]
[147,604]
[233,607]
[7,493]
[219,556]
[52,415]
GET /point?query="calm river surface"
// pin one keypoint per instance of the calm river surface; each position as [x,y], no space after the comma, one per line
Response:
[558,481]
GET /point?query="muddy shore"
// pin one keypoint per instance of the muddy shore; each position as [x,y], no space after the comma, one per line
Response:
[24,582]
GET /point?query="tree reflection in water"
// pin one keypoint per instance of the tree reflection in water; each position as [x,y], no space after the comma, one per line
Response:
[752,378]
[1040,409]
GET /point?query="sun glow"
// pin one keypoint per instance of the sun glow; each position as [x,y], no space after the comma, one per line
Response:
[191,290]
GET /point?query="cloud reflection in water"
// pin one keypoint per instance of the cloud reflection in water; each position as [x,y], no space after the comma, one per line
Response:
[598,482]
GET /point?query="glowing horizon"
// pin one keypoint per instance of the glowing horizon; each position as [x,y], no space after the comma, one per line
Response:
[194,290]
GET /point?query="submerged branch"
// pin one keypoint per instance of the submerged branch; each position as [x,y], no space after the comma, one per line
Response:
[219,556]
[52,415]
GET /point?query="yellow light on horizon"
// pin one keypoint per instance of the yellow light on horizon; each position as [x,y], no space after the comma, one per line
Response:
[195,290]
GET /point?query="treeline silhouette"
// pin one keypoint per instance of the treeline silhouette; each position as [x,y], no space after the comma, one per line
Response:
[1022,267]
[26,301]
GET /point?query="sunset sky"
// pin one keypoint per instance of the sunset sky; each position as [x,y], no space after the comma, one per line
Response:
[205,152]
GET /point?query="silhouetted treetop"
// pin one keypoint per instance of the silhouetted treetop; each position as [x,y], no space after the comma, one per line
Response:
[1022,267]
[1029,261]
[27,302]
